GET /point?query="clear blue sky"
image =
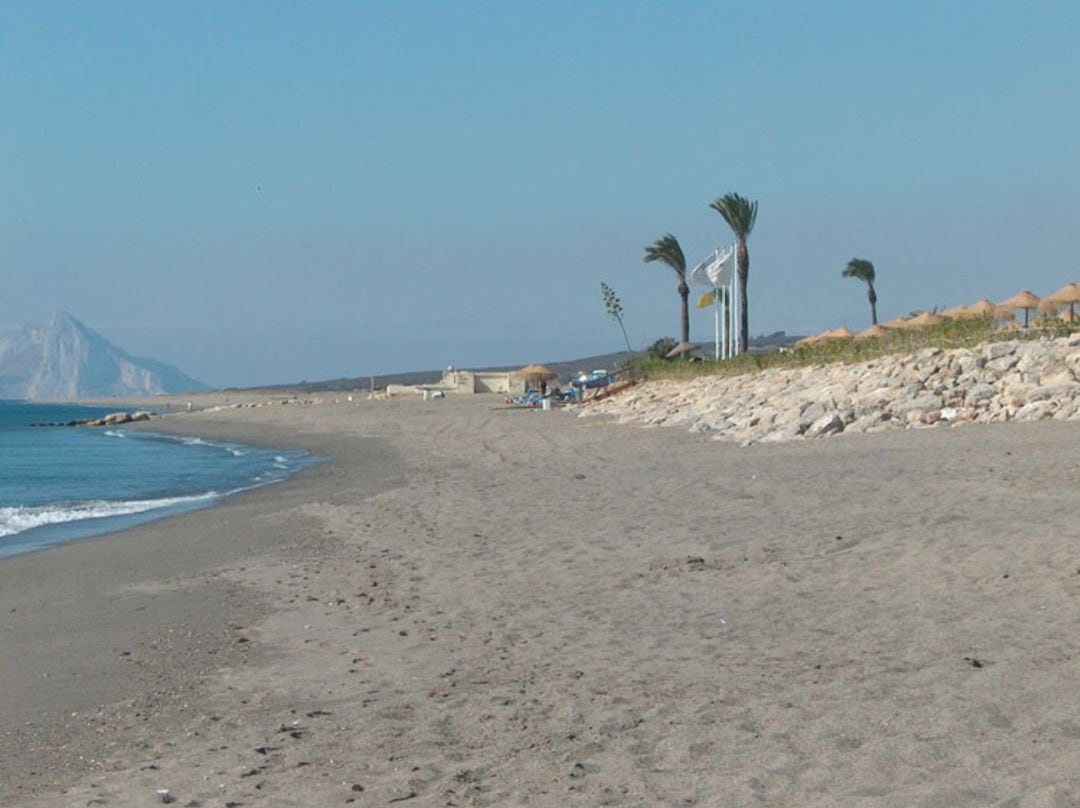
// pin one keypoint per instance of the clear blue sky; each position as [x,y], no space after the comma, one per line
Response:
[267,192]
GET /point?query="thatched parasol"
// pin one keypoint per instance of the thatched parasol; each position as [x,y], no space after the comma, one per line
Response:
[843,332]
[535,373]
[874,332]
[1021,300]
[984,308]
[815,339]
[922,320]
[681,349]
[840,333]
[895,322]
[1067,295]
[956,312]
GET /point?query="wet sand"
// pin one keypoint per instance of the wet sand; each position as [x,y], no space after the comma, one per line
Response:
[475,606]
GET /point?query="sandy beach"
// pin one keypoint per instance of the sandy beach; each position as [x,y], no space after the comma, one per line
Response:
[477,606]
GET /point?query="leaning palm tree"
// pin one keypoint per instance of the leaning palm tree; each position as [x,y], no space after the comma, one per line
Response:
[667,251]
[864,270]
[740,214]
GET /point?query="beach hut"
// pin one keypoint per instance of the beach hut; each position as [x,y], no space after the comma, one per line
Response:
[1021,300]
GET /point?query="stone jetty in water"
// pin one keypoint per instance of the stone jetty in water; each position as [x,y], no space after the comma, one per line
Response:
[112,419]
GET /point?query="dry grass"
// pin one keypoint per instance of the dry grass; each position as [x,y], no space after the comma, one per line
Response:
[949,334]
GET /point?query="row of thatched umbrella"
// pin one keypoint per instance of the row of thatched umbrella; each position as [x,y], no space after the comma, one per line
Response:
[1068,295]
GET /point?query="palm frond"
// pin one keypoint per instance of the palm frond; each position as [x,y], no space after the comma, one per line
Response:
[667,250]
[860,268]
[739,213]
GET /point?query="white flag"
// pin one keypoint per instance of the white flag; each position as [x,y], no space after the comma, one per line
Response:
[700,274]
[715,270]
[719,271]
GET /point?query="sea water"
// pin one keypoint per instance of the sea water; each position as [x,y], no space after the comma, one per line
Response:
[59,483]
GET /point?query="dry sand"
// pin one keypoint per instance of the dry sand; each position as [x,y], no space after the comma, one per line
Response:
[471,606]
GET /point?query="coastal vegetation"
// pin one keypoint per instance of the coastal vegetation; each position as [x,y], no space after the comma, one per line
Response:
[863,270]
[667,250]
[950,333]
[613,306]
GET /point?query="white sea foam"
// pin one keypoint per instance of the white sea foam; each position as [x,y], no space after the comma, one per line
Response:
[114,433]
[19,519]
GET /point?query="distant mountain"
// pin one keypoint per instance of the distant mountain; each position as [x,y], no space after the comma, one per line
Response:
[64,359]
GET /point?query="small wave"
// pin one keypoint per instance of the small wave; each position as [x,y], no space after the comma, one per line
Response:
[114,433]
[236,452]
[19,519]
[195,442]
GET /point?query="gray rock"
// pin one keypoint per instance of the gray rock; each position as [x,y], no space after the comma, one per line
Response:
[825,425]
[922,403]
[996,350]
[979,393]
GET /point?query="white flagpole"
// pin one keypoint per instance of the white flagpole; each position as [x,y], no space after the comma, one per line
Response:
[723,332]
[716,302]
[733,345]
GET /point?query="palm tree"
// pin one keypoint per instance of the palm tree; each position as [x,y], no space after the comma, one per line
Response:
[667,251]
[864,270]
[740,214]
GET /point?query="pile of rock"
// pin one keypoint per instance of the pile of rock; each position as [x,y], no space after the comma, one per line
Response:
[999,381]
[115,419]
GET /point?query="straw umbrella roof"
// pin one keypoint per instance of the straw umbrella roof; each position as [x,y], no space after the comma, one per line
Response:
[983,308]
[536,372]
[874,332]
[843,332]
[816,339]
[955,311]
[895,322]
[1067,295]
[921,320]
[1021,300]
[681,349]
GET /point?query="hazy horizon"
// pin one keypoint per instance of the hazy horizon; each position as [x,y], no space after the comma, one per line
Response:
[265,193]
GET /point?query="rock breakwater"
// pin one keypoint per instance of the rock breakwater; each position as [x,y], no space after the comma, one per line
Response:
[1018,380]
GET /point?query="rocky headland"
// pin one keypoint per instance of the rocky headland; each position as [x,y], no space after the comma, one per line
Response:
[1020,380]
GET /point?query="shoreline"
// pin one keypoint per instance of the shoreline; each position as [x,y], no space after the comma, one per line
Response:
[91,522]
[487,607]
[167,572]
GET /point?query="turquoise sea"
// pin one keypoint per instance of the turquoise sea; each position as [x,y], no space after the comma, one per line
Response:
[60,483]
